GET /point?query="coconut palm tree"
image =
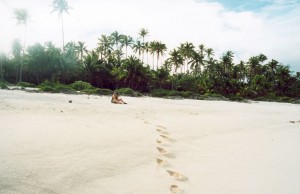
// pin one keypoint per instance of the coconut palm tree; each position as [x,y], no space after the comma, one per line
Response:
[138,48]
[90,65]
[176,60]
[152,49]
[197,60]
[2,58]
[37,62]
[61,6]
[127,41]
[186,50]
[17,55]
[81,48]
[116,38]
[22,17]
[104,46]
[160,48]
[147,50]
[143,32]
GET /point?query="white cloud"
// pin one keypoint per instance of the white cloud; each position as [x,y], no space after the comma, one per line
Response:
[171,21]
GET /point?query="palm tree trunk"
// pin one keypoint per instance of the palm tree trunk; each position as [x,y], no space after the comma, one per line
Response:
[62,31]
[1,62]
[23,52]
[157,61]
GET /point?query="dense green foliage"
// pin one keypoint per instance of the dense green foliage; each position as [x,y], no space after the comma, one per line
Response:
[188,71]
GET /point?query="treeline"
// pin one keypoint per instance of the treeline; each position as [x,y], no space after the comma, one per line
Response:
[119,61]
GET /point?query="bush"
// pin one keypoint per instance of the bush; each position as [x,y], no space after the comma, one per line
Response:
[187,94]
[26,85]
[3,85]
[237,98]
[128,92]
[48,86]
[104,91]
[286,99]
[164,93]
[211,96]
[80,85]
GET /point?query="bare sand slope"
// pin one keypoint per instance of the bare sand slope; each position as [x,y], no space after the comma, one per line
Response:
[149,146]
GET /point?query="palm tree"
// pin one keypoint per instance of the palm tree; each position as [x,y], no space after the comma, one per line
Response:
[127,41]
[147,50]
[81,48]
[227,60]
[143,32]
[116,39]
[135,74]
[160,51]
[22,17]
[104,46]
[186,51]
[152,49]
[176,60]
[2,57]
[197,60]
[90,65]
[17,54]
[61,6]
[37,62]
[138,48]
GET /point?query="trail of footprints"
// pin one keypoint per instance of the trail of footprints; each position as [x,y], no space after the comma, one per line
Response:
[164,138]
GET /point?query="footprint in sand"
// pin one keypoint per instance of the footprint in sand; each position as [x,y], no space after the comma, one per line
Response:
[158,141]
[166,137]
[162,132]
[161,162]
[177,175]
[161,126]
[174,189]
[162,151]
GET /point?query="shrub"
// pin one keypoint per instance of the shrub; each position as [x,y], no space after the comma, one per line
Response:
[212,96]
[3,85]
[26,84]
[80,85]
[128,92]
[187,94]
[286,99]
[163,93]
[104,91]
[48,86]
[237,98]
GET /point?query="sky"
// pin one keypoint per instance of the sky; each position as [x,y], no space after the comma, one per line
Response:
[245,27]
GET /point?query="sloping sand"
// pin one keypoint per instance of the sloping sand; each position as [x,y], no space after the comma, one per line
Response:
[149,146]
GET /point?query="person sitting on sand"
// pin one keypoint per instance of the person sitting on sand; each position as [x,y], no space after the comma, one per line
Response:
[115,99]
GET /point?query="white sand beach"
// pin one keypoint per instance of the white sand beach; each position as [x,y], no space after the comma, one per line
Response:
[149,146]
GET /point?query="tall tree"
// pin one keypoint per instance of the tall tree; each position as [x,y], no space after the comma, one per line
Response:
[22,17]
[161,48]
[104,46]
[186,51]
[127,41]
[61,6]
[17,55]
[81,48]
[143,32]
[116,38]
[2,57]
[138,48]
[175,59]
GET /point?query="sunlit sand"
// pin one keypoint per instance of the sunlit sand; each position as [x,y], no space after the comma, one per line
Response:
[149,146]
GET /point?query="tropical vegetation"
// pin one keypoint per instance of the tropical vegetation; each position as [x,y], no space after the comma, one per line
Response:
[144,66]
